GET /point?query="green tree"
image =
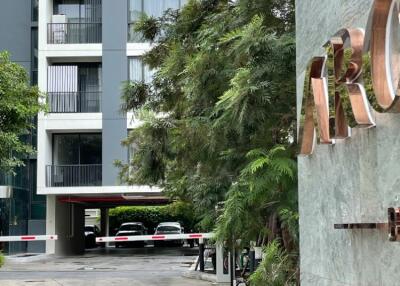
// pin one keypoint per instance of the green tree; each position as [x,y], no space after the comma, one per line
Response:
[219,117]
[259,205]
[19,103]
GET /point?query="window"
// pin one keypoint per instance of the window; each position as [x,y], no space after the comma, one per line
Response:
[34,55]
[138,71]
[34,13]
[74,88]
[77,149]
[168,228]
[76,160]
[155,8]
[79,11]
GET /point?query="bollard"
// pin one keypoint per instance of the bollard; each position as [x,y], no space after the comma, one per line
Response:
[201,254]
[232,262]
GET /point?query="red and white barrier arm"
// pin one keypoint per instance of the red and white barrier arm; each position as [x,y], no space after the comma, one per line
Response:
[28,238]
[155,237]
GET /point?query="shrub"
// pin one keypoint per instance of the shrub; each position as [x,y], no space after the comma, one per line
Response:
[1,259]
[151,216]
[276,268]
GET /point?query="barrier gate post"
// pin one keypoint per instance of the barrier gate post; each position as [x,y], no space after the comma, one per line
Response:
[201,254]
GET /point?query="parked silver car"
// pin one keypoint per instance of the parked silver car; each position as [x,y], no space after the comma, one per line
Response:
[169,228]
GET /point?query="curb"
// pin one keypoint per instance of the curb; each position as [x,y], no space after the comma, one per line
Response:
[197,275]
[27,257]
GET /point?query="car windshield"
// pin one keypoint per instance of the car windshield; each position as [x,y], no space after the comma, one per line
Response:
[89,228]
[131,227]
[168,228]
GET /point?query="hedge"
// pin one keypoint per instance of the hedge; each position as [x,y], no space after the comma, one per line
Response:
[1,259]
[151,216]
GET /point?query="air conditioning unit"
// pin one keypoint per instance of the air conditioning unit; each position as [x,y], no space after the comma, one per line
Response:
[59,19]
[59,31]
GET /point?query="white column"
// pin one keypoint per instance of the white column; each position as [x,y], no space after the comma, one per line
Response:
[221,277]
[107,226]
[105,223]
[44,139]
[51,223]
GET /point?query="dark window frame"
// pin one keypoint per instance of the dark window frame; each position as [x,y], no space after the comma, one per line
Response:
[79,142]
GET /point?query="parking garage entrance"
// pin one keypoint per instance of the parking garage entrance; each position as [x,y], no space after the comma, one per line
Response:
[66,217]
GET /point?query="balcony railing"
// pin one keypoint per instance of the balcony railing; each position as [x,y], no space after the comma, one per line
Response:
[74,102]
[73,175]
[74,33]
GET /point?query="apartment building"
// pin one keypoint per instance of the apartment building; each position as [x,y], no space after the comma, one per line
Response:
[86,49]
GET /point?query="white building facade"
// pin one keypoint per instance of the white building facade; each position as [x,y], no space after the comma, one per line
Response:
[87,49]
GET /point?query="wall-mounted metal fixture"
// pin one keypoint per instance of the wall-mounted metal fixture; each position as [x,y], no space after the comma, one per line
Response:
[337,88]
[6,192]
[392,226]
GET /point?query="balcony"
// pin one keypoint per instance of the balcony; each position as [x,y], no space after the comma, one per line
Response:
[74,33]
[74,102]
[75,22]
[76,160]
[74,88]
[74,175]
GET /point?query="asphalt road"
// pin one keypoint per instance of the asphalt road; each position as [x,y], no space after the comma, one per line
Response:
[123,266]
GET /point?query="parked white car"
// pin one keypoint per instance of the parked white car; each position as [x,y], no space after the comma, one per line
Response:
[169,228]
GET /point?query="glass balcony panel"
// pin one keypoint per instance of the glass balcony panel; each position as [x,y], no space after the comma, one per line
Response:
[138,71]
[76,160]
[66,149]
[74,88]
[77,149]
[90,149]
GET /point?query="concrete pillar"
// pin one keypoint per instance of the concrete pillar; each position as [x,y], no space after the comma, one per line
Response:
[223,276]
[201,254]
[104,224]
[115,71]
[51,223]
[67,221]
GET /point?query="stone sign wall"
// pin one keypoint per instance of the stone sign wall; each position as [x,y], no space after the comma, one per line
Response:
[353,181]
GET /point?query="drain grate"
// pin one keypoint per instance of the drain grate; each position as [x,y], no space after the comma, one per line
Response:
[95,268]
[26,255]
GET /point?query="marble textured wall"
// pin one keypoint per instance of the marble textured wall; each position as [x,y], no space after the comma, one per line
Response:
[355,180]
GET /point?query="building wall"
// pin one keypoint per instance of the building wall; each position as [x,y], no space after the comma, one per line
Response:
[67,221]
[18,212]
[355,180]
[115,71]
[15,30]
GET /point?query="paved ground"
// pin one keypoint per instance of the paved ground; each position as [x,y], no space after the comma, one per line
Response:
[141,266]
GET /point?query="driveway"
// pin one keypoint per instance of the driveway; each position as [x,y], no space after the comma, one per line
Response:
[123,266]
